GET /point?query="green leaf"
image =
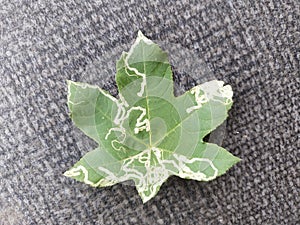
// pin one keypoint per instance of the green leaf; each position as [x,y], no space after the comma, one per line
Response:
[147,134]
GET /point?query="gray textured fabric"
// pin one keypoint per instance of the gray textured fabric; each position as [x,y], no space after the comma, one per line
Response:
[253,46]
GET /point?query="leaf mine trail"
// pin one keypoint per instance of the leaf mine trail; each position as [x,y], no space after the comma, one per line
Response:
[148,134]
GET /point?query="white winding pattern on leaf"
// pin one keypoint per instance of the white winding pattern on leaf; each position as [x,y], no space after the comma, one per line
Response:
[142,75]
[205,92]
[77,171]
[154,176]
[199,98]
[153,165]
[122,113]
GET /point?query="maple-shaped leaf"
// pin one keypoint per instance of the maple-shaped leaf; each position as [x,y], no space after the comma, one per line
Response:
[147,134]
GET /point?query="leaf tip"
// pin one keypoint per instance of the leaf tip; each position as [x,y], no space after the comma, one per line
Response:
[145,199]
[67,173]
[69,82]
[141,36]
[237,159]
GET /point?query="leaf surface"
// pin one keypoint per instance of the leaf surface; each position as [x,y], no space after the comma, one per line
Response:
[147,134]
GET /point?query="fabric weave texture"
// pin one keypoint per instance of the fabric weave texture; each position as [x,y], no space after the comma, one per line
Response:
[252,45]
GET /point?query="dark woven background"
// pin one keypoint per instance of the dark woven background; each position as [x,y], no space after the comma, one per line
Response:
[253,46]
